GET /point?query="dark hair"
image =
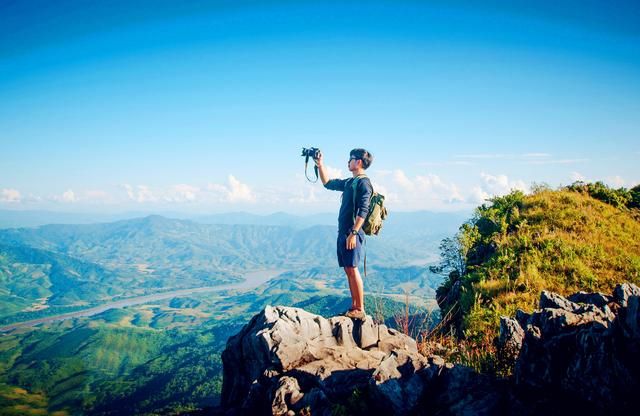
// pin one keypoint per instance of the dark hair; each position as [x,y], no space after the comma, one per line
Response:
[363,155]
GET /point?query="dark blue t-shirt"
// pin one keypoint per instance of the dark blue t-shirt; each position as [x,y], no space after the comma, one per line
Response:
[347,211]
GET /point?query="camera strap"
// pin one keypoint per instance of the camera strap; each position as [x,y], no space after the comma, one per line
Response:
[315,169]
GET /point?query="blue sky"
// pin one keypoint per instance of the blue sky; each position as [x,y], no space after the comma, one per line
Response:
[204,106]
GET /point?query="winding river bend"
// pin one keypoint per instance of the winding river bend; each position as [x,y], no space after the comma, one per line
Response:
[252,280]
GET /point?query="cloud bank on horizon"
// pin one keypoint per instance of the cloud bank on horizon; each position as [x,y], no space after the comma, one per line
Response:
[169,106]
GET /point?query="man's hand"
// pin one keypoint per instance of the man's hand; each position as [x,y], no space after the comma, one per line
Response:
[323,173]
[351,242]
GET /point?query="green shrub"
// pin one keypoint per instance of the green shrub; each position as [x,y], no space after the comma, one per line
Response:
[582,237]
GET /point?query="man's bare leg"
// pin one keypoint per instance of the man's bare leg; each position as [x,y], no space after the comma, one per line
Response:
[355,287]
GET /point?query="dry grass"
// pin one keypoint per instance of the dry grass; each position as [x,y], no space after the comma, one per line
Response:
[562,241]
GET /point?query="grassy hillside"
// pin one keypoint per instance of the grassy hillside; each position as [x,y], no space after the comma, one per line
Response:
[560,240]
[158,358]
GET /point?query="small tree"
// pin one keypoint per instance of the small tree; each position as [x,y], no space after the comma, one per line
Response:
[453,255]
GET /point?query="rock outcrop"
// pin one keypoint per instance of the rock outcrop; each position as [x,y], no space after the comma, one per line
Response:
[578,353]
[287,361]
[581,350]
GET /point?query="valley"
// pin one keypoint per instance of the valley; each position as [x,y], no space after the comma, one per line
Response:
[134,314]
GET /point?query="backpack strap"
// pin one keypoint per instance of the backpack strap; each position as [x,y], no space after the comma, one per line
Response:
[354,187]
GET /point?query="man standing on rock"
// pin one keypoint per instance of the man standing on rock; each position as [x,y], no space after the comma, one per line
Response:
[350,221]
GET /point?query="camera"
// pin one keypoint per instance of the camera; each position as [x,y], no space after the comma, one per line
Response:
[312,152]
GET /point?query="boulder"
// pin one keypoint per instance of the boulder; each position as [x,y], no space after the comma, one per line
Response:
[550,300]
[511,337]
[597,299]
[577,353]
[286,361]
[623,292]
[580,351]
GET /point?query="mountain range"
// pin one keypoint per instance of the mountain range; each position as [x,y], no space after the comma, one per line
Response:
[61,267]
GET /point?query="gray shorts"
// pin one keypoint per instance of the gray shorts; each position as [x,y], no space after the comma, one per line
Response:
[349,258]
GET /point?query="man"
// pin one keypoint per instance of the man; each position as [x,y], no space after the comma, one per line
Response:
[350,221]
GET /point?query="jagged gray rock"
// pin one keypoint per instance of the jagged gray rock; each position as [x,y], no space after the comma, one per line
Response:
[583,351]
[578,353]
[623,292]
[550,300]
[597,299]
[293,359]
[511,337]
[286,360]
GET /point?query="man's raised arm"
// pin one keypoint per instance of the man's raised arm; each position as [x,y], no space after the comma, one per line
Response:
[321,170]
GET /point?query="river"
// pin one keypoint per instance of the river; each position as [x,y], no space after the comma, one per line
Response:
[252,280]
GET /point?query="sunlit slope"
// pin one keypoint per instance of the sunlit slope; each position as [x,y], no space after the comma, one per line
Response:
[563,241]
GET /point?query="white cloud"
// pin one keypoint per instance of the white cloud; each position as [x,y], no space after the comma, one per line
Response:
[141,194]
[145,194]
[129,190]
[496,183]
[239,191]
[182,193]
[218,189]
[424,188]
[69,196]
[478,195]
[235,191]
[332,172]
[495,186]
[10,195]
[433,183]
[401,179]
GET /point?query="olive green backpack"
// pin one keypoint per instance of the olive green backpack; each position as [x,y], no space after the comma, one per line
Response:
[377,211]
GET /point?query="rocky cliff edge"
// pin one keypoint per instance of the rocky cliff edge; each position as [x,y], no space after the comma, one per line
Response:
[578,353]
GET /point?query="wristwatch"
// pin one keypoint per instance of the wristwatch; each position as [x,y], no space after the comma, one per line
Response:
[354,232]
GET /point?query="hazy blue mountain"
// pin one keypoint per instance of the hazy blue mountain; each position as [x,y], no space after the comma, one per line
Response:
[278,218]
[58,266]
[414,236]
[397,222]
[158,246]
[18,219]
